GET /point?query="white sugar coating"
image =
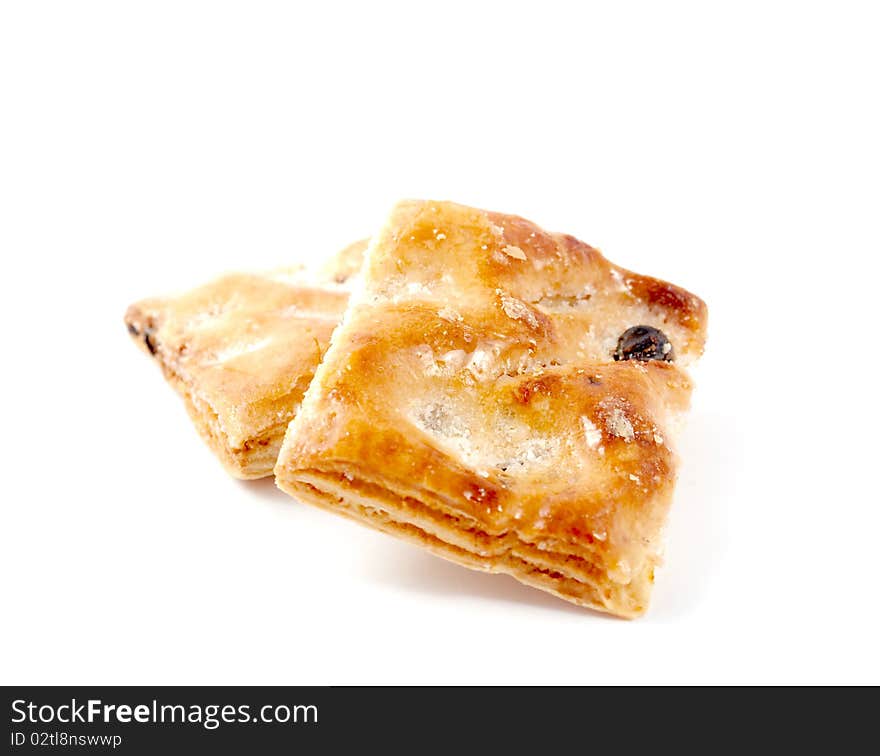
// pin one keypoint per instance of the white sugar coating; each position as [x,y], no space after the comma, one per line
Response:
[425,355]
[514,456]
[484,359]
[454,360]
[206,318]
[506,444]
[536,450]
[517,310]
[238,349]
[297,312]
[620,425]
[592,434]
[563,302]
[618,277]
[615,420]
[437,418]
[414,287]
[447,313]
[621,572]
[489,360]
[446,364]
[448,430]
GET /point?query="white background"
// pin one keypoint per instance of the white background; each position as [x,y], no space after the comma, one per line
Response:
[145,147]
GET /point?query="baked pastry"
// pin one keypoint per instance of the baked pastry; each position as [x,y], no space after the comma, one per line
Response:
[242,350]
[505,397]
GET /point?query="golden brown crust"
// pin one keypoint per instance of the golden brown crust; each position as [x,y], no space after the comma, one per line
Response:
[241,351]
[470,401]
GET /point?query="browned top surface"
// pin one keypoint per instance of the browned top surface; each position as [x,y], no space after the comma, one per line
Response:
[247,345]
[475,371]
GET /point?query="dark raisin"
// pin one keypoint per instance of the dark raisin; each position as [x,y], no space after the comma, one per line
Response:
[644,343]
[132,329]
[149,340]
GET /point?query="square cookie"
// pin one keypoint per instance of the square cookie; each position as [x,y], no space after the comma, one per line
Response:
[242,350]
[506,398]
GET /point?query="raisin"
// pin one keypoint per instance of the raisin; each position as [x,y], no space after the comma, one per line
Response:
[149,340]
[643,343]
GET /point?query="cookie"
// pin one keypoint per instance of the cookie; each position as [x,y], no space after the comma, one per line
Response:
[506,398]
[242,350]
